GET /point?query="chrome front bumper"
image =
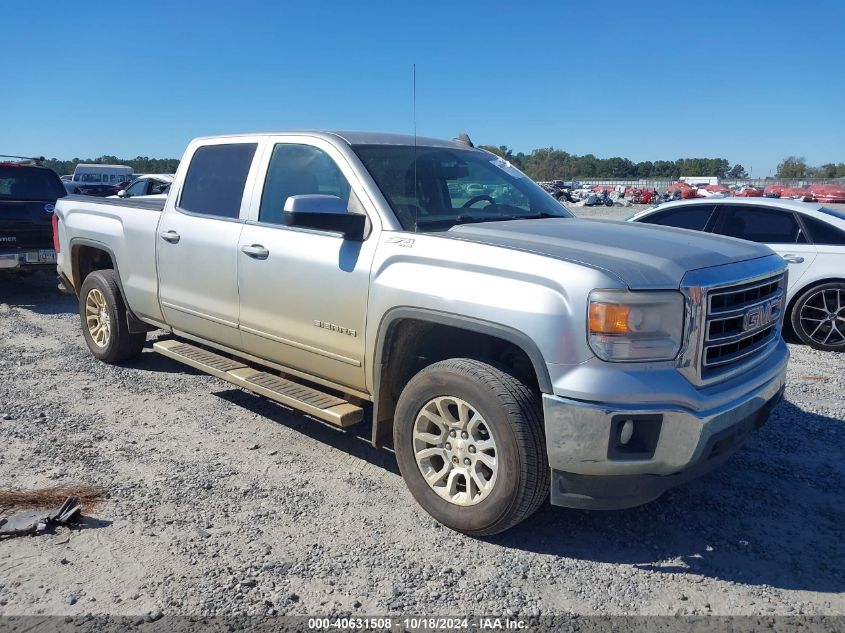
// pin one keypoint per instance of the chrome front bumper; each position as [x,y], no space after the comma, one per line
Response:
[592,466]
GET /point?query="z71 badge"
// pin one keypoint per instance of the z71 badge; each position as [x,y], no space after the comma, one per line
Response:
[406,242]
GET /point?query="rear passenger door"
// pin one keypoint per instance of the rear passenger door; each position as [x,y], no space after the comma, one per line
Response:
[197,241]
[778,229]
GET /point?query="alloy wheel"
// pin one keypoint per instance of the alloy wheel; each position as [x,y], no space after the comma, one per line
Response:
[97,317]
[822,317]
[455,450]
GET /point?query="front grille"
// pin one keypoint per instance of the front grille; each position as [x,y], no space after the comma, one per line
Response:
[740,322]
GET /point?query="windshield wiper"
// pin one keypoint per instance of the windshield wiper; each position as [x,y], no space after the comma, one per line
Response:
[467,219]
[537,216]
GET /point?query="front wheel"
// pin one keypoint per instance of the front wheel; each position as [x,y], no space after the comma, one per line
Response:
[469,442]
[103,314]
[818,317]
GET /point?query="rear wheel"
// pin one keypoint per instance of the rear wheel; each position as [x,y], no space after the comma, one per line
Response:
[469,442]
[818,317]
[103,315]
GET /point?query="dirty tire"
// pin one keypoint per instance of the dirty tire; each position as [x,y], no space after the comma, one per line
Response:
[513,413]
[825,301]
[121,344]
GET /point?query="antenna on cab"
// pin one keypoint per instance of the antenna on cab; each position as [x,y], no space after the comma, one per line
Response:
[416,199]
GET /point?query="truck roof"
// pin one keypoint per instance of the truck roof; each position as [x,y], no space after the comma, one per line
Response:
[354,138]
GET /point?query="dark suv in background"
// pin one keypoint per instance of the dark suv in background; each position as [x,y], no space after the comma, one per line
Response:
[28,194]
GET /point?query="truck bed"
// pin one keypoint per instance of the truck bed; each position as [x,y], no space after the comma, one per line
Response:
[127,230]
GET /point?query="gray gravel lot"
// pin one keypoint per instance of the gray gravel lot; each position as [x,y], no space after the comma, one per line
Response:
[222,502]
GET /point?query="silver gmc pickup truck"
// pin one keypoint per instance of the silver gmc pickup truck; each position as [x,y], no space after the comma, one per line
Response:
[509,351]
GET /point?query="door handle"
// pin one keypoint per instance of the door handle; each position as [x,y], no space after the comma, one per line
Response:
[256,251]
[794,259]
[170,236]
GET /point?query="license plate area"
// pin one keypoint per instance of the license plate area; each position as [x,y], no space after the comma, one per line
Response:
[43,256]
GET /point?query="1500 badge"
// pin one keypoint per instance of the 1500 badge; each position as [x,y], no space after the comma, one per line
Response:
[335,328]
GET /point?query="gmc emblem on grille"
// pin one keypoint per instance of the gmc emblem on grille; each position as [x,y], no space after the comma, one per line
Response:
[761,315]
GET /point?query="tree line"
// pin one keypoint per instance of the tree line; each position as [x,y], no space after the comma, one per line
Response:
[554,164]
[139,164]
[796,167]
[551,164]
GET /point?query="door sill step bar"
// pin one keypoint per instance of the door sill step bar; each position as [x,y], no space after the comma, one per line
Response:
[319,404]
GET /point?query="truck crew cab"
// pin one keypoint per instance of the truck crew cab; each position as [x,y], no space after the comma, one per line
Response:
[509,351]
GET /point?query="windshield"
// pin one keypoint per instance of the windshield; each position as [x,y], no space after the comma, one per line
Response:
[30,183]
[453,186]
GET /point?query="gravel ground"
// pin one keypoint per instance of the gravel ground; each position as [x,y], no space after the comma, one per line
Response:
[224,503]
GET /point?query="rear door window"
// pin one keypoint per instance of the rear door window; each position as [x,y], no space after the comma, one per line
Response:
[758,224]
[693,217]
[214,184]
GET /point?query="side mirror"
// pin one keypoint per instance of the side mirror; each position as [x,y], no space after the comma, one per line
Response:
[324,213]
[122,193]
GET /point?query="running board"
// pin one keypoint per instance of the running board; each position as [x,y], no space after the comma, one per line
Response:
[319,404]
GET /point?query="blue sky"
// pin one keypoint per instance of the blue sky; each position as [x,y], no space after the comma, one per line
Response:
[751,82]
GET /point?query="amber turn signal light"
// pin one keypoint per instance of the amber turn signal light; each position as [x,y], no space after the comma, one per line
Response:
[608,318]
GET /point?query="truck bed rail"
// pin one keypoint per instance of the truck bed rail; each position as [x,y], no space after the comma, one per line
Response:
[148,205]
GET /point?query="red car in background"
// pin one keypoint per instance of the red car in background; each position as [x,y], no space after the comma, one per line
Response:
[639,195]
[713,190]
[686,190]
[774,190]
[797,193]
[828,193]
[748,191]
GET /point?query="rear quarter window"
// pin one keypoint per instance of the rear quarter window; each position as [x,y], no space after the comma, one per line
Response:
[822,232]
[214,184]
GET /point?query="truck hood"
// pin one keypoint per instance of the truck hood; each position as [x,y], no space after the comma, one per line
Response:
[644,256]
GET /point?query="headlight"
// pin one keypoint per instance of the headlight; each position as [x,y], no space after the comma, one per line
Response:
[636,326]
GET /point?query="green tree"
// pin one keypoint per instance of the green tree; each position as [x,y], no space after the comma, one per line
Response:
[792,167]
[644,169]
[737,171]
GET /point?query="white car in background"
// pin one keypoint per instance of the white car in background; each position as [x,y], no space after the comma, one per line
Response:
[94,175]
[147,186]
[809,236]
